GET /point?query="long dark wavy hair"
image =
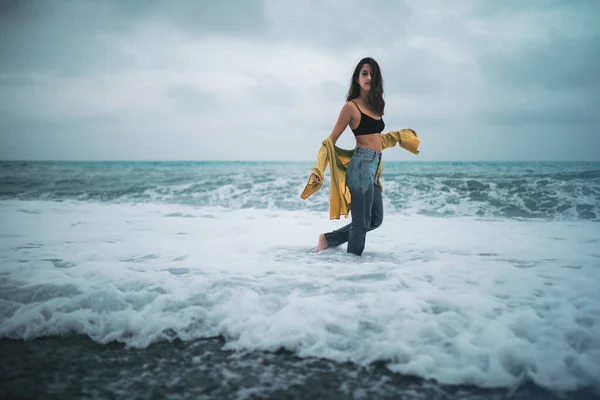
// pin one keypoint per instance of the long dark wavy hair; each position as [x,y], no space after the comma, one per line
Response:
[376,101]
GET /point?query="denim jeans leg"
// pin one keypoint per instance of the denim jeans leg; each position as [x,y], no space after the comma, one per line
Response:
[337,237]
[377,210]
[340,236]
[362,203]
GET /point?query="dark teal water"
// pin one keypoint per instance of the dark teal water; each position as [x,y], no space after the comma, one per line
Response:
[546,190]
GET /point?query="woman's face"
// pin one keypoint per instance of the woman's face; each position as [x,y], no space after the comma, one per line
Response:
[364,77]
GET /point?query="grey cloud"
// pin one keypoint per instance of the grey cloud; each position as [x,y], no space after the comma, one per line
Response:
[412,72]
[559,80]
[540,113]
[338,26]
[82,37]
[226,17]
[191,99]
[550,76]
[70,38]
[273,95]
[491,8]
[16,124]
[560,64]
[333,91]
[264,97]
[17,81]
[567,57]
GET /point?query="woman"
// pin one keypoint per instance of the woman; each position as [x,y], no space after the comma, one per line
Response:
[363,112]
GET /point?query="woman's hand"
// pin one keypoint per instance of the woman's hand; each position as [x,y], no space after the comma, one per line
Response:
[314,179]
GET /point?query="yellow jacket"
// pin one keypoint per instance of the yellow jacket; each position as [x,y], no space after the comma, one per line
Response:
[338,160]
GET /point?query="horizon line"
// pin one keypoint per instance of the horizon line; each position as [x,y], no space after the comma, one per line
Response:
[278,161]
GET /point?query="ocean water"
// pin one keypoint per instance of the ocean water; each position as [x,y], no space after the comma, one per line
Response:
[200,280]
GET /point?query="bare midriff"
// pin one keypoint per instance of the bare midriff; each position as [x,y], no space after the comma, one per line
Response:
[371,141]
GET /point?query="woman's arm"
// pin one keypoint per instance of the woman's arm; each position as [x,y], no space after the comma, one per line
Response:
[342,123]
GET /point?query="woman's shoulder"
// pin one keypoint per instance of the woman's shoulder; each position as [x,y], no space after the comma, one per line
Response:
[351,107]
[353,104]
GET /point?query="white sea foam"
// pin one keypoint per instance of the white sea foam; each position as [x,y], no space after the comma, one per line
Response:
[461,300]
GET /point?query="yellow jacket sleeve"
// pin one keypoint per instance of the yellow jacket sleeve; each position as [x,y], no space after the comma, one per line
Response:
[407,139]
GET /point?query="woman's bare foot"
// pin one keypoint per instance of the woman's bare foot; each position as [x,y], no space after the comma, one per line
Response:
[322,245]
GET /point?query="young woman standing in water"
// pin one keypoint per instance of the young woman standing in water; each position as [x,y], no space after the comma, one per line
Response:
[363,112]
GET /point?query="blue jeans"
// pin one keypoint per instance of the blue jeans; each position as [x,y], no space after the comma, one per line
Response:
[367,206]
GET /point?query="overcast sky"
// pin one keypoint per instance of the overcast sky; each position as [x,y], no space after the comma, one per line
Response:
[265,80]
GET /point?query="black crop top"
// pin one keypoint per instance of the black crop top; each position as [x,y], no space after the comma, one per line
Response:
[367,124]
